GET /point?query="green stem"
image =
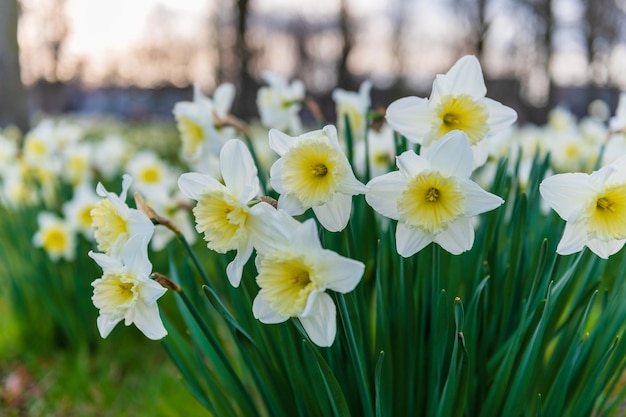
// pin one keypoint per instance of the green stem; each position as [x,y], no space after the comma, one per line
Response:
[195,260]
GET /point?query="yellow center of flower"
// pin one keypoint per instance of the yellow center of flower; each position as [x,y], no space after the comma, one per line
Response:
[150,175]
[608,214]
[115,293]
[286,283]
[54,239]
[108,225]
[191,134]
[312,171]
[84,217]
[431,202]
[222,220]
[462,113]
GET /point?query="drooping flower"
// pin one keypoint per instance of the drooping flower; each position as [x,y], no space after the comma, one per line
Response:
[279,103]
[457,102]
[56,236]
[222,210]
[200,122]
[313,172]
[294,272]
[114,222]
[594,207]
[432,197]
[354,107]
[126,292]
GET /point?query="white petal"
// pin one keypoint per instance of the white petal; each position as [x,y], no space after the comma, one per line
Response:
[105,325]
[605,249]
[193,184]
[334,215]
[458,237]
[321,323]
[500,116]
[135,256]
[239,171]
[409,241]
[262,311]
[411,164]
[106,262]
[574,239]
[304,236]
[452,155]
[223,97]
[464,77]
[276,176]
[147,319]
[235,268]
[384,192]
[291,204]
[481,153]
[478,200]
[280,142]
[339,273]
[567,193]
[270,229]
[411,116]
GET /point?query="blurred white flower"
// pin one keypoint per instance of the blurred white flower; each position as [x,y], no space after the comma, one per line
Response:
[353,106]
[222,210]
[126,292]
[152,177]
[617,123]
[110,155]
[77,163]
[280,102]
[594,207]
[381,152]
[457,102]
[432,197]
[294,271]
[77,211]
[313,172]
[56,236]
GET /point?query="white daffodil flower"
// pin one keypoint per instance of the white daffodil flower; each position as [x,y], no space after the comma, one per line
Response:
[200,122]
[294,272]
[354,107]
[153,178]
[126,292]
[594,207]
[617,123]
[432,197]
[457,102]
[56,236]
[77,211]
[114,222]
[313,172]
[280,102]
[222,210]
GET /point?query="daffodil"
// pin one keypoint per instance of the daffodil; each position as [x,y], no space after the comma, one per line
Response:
[126,292]
[56,236]
[114,222]
[457,102]
[618,121]
[313,172]
[594,207]
[280,102]
[77,211]
[294,272]
[354,107]
[432,197]
[152,177]
[222,210]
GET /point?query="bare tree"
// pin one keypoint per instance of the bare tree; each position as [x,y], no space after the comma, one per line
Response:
[601,27]
[344,78]
[13,107]
[474,12]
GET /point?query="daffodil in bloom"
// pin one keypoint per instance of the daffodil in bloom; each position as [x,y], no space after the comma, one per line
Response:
[114,222]
[594,207]
[280,102]
[126,292]
[222,210]
[354,107]
[77,211]
[457,102]
[152,177]
[432,198]
[313,172]
[201,122]
[294,272]
[55,236]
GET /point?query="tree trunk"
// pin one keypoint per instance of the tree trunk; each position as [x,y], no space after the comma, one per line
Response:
[13,107]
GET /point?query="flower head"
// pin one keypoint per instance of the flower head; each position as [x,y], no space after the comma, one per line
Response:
[294,271]
[114,222]
[222,210]
[280,102]
[126,292]
[77,211]
[313,172]
[432,197]
[56,236]
[594,207]
[354,107]
[457,102]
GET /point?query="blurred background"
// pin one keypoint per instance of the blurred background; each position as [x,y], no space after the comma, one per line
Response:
[135,59]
